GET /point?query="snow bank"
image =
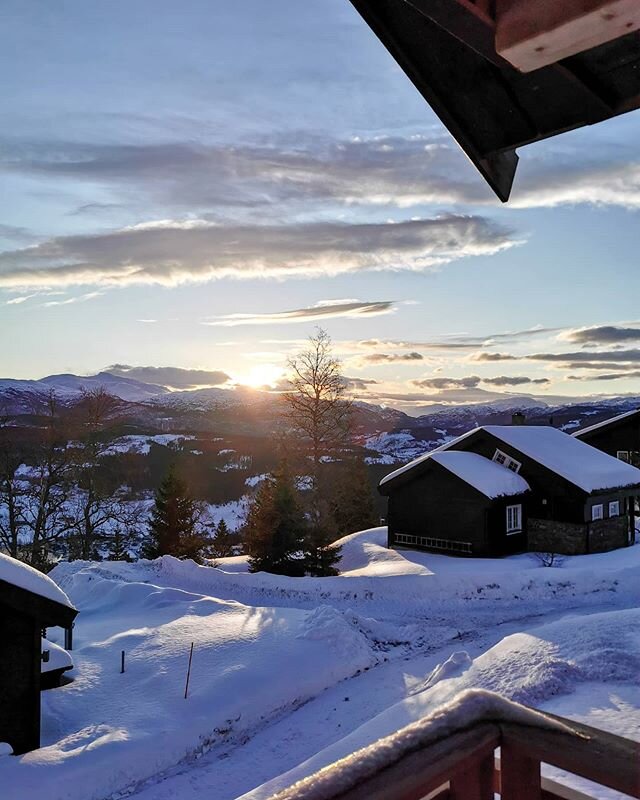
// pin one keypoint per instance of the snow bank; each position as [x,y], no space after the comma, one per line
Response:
[26,577]
[106,730]
[531,668]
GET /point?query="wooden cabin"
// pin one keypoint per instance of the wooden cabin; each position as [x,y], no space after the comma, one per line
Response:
[29,603]
[618,436]
[501,74]
[580,499]
[458,503]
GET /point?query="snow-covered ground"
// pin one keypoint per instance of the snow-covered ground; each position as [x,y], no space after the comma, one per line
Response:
[291,673]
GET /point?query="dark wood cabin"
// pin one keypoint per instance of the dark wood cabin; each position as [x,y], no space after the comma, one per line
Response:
[501,74]
[457,503]
[581,499]
[29,602]
[618,436]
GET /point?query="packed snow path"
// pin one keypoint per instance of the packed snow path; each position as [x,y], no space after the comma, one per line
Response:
[289,674]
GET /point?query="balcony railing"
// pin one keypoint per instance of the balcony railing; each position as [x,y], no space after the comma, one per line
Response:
[452,755]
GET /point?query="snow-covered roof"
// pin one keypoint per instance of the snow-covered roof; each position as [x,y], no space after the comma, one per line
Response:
[489,478]
[586,467]
[26,577]
[605,422]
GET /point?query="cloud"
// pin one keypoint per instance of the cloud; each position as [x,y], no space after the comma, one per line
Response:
[399,171]
[595,365]
[324,309]
[587,356]
[173,253]
[470,382]
[359,384]
[392,358]
[494,357]
[171,377]
[607,376]
[602,334]
[82,298]
[514,380]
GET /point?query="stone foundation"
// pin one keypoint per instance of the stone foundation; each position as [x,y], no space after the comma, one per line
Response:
[571,539]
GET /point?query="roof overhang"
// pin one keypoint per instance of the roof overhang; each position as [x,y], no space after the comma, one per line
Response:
[448,50]
[46,612]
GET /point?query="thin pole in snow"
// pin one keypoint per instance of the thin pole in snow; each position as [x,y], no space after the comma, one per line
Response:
[186,687]
[121,661]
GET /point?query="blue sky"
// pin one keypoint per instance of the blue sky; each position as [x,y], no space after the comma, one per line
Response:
[197,185]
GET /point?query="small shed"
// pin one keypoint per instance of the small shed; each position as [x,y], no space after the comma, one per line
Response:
[458,503]
[29,603]
[618,436]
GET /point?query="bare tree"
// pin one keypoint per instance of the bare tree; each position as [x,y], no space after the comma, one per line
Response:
[12,499]
[316,404]
[46,514]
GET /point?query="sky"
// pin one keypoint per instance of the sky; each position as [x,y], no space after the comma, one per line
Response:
[194,187]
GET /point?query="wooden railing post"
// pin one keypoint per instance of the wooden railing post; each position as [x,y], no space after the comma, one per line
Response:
[519,773]
[473,781]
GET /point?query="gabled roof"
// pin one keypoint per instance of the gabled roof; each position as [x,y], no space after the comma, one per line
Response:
[489,478]
[27,590]
[606,422]
[577,462]
[447,48]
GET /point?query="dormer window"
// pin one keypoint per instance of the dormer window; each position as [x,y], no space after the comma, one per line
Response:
[506,461]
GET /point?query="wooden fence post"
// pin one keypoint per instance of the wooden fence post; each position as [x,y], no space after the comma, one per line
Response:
[473,781]
[519,773]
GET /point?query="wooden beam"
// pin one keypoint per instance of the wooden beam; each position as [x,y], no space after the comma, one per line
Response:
[531,35]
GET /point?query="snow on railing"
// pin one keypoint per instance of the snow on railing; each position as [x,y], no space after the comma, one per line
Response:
[452,754]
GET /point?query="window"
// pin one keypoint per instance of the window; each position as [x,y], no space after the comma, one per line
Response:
[506,461]
[614,508]
[623,455]
[514,519]
[597,512]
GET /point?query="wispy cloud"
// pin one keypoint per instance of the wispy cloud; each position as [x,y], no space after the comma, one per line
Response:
[82,298]
[392,358]
[173,253]
[323,309]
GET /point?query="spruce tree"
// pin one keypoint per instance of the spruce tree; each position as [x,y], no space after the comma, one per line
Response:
[276,527]
[224,541]
[173,526]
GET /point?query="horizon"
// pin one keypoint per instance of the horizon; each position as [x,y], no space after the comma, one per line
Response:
[205,216]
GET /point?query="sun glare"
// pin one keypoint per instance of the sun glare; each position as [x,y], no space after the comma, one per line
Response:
[262,375]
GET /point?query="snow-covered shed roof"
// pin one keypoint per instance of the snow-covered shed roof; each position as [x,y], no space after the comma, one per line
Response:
[606,422]
[25,577]
[489,478]
[582,465]
[59,658]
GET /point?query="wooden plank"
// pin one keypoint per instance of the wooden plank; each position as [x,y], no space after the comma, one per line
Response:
[474,781]
[533,35]
[519,773]
[596,755]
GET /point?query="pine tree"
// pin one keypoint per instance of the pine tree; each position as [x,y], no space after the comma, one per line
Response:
[223,541]
[276,527]
[173,528]
[320,552]
[353,503]
[119,543]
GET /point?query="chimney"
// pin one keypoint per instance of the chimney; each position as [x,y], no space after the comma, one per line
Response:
[518,418]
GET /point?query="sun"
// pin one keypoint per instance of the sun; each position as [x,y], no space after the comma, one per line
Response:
[262,375]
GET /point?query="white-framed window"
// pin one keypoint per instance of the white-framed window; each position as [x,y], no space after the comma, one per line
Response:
[506,461]
[623,455]
[597,511]
[614,508]
[514,519]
